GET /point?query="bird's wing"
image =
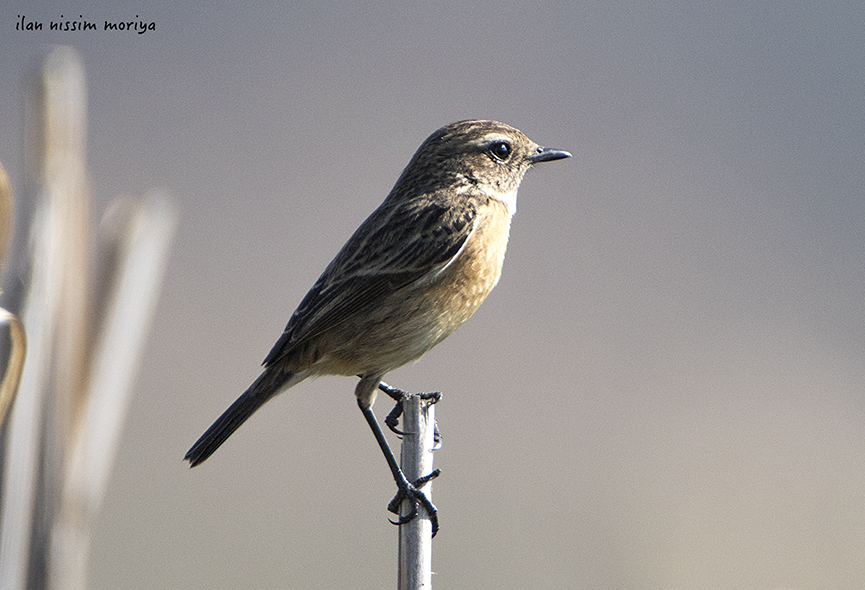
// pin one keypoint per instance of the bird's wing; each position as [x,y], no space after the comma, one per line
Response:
[397,245]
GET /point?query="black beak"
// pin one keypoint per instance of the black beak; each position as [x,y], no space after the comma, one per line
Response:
[548,155]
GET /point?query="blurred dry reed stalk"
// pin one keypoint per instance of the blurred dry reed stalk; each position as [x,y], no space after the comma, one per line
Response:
[86,303]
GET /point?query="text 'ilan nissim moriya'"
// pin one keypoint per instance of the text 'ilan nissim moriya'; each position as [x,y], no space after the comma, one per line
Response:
[139,26]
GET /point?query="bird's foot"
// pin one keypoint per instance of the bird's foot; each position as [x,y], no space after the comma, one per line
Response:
[392,419]
[412,492]
[398,395]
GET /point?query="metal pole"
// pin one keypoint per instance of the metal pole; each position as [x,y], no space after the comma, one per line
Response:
[416,457]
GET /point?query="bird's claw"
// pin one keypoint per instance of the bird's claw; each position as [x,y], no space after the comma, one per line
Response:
[395,393]
[398,395]
[412,493]
[392,419]
[406,518]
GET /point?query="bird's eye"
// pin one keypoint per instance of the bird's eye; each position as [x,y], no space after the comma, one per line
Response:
[501,150]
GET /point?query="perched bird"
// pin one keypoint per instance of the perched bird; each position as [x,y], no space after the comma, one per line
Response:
[411,274]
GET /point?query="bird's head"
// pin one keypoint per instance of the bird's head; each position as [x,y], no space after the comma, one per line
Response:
[474,156]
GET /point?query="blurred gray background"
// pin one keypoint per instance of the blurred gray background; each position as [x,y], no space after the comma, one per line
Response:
[665,391]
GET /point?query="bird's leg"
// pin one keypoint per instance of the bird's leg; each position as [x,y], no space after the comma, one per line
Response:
[398,395]
[406,489]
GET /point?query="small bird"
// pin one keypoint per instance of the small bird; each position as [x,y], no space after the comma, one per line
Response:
[411,274]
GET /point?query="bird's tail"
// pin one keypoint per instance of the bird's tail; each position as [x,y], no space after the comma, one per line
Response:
[268,384]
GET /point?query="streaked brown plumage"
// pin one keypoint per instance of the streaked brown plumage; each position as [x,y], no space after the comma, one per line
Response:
[411,274]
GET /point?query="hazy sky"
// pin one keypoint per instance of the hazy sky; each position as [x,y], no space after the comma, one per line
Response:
[665,391]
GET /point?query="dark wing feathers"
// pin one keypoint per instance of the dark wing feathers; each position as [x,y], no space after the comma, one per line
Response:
[397,245]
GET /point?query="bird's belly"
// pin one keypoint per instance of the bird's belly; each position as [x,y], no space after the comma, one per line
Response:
[415,319]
